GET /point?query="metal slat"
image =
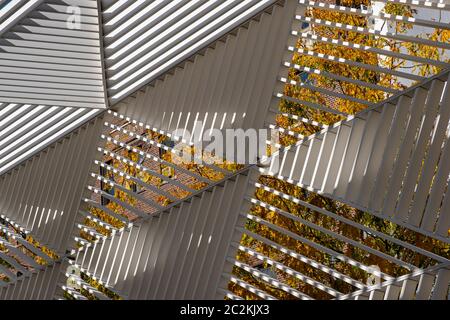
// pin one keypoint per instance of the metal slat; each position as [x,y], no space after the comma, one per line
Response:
[440,290]
[369,13]
[154,173]
[146,266]
[140,272]
[310,161]
[362,66]
[443,224]
[291,272]
[322,160]
[425,286]
[369,31]
[315,245]
[334,76]
[200,33]
[162,146]
[421,4]
[361,47]
[249,287]
[416,108]
[435,152]
[421,146]
[25,44]
[269,280]
[331,175]
[306,260]
[349,156]
[392,292]
[159,255]
[198,243]
[350,222]
[408,289]
[354,187]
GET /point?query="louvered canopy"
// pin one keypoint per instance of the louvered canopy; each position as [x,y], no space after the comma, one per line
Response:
[56,74]
[364,154]
[50,75]
[144,39]
[49,61]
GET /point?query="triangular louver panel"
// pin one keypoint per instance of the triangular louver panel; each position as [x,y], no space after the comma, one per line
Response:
[145,39]
[350,204]
[51,76]
[52,56]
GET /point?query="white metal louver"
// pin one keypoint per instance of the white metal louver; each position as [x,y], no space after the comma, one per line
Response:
[47,58]
[42,221]
[51,76]
[395,160]
[55,70]
[354,160]
[12,11]
[150,228]
[101,260]
[143,39]
[27,129]
[36,199]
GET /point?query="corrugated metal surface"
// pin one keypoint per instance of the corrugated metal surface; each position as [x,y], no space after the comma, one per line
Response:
[12,11]
[47,58]
[206,217]
[143,39]
[51,76]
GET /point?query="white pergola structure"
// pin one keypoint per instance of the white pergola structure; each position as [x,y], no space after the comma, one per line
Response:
[83,83]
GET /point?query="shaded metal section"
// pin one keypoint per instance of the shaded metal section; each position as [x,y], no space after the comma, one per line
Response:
[144,39]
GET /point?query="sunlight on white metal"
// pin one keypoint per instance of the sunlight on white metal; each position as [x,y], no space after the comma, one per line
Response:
[12,11]
[38,194]
[44,63]
[182,180]
[343,162]
[362,160]
[37,285]
[156,105]
[232,79]
[25,262]
[49,58]
[431,283]
[35,199]
[144,39]
[431,16]
[51,76]
[150,260]
[140,254]
[27,129]
[76,281]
